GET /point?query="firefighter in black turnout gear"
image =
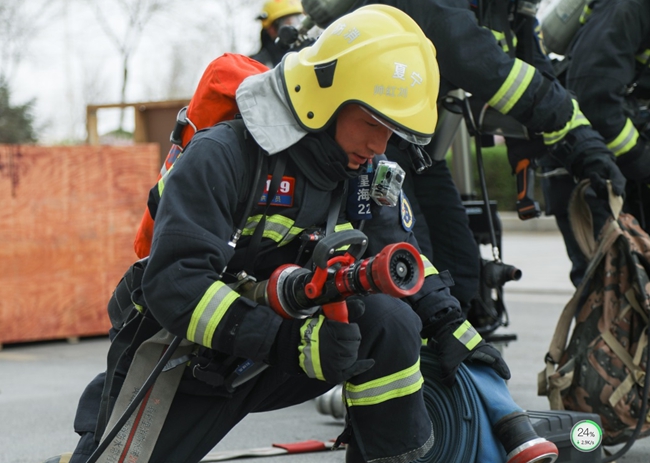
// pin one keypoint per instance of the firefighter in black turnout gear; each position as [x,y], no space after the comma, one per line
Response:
[274,15]
[323,124]
[611,81]
[490,49]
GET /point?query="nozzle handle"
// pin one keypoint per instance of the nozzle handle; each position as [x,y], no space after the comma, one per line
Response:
[357,241]
[337,311]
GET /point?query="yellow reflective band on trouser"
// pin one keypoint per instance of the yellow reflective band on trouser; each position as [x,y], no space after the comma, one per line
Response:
[379,390]
[626,140]
[277,228]
[209,312]
[577,119]
[513,88]
[309,357]
[429,269]
[467,335]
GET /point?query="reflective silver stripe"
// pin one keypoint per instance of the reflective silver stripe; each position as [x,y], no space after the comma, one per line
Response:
[625,140]
[309,357]
[281,229]
[467,335]
[513,88]
[277,228]
[399,384]
[209,312]
[577,119]
[429,269]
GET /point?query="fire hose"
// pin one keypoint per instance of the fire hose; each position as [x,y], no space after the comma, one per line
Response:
[455,413]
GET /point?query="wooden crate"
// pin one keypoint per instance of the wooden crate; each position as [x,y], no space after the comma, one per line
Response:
[68,217]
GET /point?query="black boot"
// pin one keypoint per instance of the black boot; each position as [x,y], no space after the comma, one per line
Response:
[521,441]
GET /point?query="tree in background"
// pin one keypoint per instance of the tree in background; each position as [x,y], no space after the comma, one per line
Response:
[16,122]
[20,24]
[125,33]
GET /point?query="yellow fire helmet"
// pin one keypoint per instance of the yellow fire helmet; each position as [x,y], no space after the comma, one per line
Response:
[276,9]
[377,57]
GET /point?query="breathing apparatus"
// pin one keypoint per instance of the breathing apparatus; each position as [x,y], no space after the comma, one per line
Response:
[560,23]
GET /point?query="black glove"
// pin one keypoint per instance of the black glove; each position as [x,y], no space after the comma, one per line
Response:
[585,155]
[635,164]
[458,342]
[434,301]
[323,349]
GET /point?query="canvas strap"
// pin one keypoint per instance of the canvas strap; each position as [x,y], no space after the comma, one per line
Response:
[636,372]
[549,382]
[137,438]
[581,219]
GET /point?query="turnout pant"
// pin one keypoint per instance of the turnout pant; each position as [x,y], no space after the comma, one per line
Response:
[387,417]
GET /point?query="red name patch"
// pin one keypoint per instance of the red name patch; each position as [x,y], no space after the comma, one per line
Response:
[284,195]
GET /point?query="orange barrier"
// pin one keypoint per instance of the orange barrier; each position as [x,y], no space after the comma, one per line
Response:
[68,216]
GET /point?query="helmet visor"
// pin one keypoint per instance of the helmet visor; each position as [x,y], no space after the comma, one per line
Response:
[417,139]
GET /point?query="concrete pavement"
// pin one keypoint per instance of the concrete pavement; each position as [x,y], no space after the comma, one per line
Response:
[40,383]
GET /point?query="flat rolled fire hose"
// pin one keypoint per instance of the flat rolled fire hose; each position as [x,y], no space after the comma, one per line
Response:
[461,426]
[454,413]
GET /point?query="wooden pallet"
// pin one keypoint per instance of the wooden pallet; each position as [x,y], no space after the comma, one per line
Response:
[68,216]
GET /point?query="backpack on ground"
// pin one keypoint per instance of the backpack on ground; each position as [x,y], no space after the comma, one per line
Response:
[602,369]
[212,102]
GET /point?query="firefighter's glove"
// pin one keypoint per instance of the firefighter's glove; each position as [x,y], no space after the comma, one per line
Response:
[460,342]
[600,168]
[635,164]
[585,155]
[321,348]
[434,302]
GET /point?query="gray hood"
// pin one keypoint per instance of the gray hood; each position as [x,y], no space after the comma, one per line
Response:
[263,105]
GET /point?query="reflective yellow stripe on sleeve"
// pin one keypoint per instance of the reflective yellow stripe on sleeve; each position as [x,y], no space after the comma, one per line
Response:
[577,119]
[513,88]
[309,357]
[501,40]
[399,384]
[161,182]
[467,335]
[625,140]
[429,269]
[209,312]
